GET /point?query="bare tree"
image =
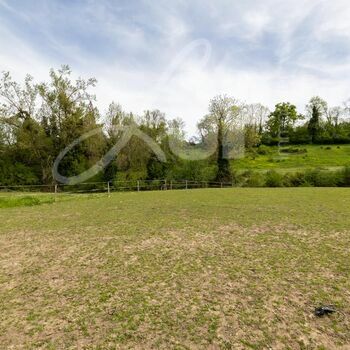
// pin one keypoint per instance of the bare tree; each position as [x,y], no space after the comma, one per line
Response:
[254,117]
[224,116]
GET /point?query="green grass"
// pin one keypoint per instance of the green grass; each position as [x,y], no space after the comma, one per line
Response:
[315,157]
[24,201]
[219,268]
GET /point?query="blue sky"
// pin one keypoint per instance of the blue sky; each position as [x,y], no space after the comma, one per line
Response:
[176,55]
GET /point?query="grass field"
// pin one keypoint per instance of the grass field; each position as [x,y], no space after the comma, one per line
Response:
[327,157]
[211,269]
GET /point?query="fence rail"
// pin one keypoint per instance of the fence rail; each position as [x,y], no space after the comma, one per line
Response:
[116,186]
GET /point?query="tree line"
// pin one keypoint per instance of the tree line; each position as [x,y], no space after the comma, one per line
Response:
[38,120]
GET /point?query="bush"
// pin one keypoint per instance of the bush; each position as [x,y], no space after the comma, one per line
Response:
[294,150]
[345,176]
[263,150]
[17,174]
[269,140]
[295,180]
[194,170]
[255,179]
[309,178]
[299,135]
[320,178]
[273,179]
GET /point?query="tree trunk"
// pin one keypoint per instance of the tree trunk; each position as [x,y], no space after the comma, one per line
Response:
[223,171]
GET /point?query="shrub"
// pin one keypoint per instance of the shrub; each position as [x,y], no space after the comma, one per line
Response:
[295,180]
[294,150]
[299,135]
[320,178]
[345,174]
[263,150]
[255,179]
[273,179]
[195,170]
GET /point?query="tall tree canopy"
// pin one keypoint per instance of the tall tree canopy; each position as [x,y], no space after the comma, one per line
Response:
[223,118]
[282,119]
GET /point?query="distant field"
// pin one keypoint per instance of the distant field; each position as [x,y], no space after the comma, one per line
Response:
[327,157]
[214,268]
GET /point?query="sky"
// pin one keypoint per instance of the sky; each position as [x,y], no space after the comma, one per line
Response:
[176,55]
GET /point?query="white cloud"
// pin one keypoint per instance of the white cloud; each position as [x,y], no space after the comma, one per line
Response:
[20,59]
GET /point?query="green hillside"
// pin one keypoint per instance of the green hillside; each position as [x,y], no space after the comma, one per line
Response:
[294,158]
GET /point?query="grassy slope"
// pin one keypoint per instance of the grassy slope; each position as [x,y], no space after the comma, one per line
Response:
[231,268]
[337,156]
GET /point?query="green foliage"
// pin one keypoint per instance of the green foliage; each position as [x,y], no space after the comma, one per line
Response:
[156,169]
[224,172]
[294,150]
[26,201]
[319,178]
[254,179]
[314,123]
[17,173]
[263,150]
[273,179]
[296,180]
[346,177]
[308,178]
[315,157]
[195,170]
[110,171]
[42,119]
[299,135]
[37,122]
[282,119]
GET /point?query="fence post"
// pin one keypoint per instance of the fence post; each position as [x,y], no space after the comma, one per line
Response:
[186,185]
[171,184]
[138,185]
[221,184]
[55,188]
[165,184]
[108,189]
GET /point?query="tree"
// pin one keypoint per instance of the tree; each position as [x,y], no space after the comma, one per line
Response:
[254,117]
[319,103]
[154,124]
[282,119]
[20,123]
[66,113]
[314,124]
[316,109]
[224,116]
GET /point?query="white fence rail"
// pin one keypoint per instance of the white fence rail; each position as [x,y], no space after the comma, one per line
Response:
[117,186]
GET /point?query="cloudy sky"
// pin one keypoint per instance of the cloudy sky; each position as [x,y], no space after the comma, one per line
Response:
[175,55]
